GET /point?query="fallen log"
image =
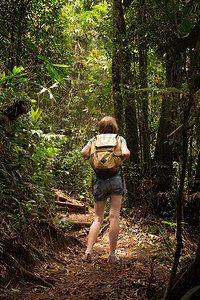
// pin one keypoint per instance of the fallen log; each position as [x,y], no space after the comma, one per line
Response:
[61,197]
[76,207]
[77,225]
[66,209]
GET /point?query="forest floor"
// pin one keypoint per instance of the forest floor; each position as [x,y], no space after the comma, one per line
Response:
[137,276]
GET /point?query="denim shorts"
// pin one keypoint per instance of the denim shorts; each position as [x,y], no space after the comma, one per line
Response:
[103,188]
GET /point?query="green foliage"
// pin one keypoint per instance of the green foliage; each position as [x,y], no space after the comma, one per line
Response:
[10,83]
[89,36]
[41,150]
[73,172]
[66,53]
[35,115]
[167,246]
[26,27]
[24,181]
[51,68]
[99,82]
[147,258]
[64,224]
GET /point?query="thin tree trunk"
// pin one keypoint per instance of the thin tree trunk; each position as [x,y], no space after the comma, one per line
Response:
[142,95]
[196,186]
[132,141]
[20,31]
[164,147]
[144,110]
[179,210]
[179,199]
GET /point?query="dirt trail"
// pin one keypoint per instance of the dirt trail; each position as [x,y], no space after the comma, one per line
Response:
[132,278]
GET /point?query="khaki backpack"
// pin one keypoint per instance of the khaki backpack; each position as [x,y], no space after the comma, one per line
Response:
[106,155]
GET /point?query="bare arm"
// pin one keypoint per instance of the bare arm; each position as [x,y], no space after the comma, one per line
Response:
[125,151]
[86,151]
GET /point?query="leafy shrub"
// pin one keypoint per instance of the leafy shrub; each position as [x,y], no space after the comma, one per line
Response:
[73,172]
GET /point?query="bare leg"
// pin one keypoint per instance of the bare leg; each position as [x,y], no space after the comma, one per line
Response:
[99,207]
[115,206]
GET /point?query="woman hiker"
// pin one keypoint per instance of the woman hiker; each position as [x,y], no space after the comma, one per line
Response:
[104,187]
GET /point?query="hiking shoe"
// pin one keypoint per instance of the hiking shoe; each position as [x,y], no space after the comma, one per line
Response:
[87,257]
[113,259]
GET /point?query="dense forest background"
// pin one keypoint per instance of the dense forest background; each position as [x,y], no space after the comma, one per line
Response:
[66,64]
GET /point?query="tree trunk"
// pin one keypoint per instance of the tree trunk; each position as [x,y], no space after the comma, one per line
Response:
[131,129]
[196,186]
[146,159]
[123,97]
[118,30]
[179,210]
[17,14]
[123,80]
[164,147]
[20,31]
[190,278]
[142,95]
[189,102]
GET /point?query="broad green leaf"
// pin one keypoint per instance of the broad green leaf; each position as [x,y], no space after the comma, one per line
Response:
[186,26]
[16,80]
[49,69]
[17,70]
[43,58]
[35,114]
[53,73]
[60,66]
[169,223]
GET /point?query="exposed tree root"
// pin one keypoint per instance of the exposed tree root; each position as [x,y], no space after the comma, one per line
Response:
[78,225]
[29,276]
[38,252]
[74,241]
[104,228]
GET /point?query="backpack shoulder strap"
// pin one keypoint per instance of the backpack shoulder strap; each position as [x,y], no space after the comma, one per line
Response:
[118,138]
[92,150]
